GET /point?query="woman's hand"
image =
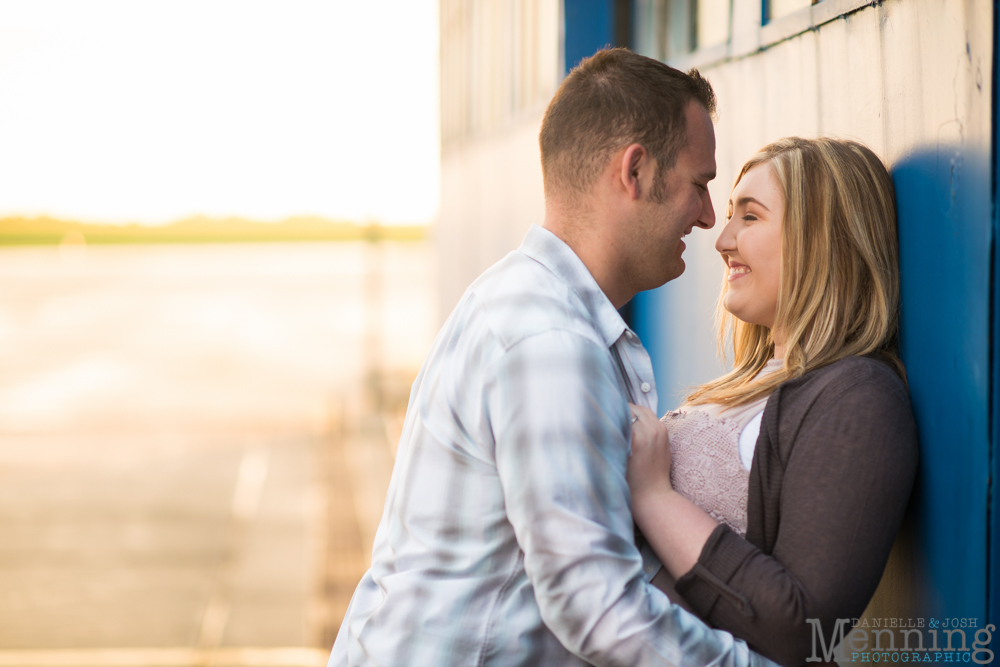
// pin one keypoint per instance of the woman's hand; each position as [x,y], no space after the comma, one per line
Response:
[676,528]
[648,472]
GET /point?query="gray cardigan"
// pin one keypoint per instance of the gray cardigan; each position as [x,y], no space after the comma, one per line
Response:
[831,476]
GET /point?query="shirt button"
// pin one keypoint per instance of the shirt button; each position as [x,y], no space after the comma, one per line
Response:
[629,335]
[645,387]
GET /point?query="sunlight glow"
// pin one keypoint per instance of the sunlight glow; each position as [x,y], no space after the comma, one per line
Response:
[119,111]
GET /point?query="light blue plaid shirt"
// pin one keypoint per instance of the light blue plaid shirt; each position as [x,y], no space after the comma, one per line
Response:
[507,534]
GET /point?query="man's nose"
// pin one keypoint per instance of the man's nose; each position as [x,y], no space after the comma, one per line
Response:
[707,218]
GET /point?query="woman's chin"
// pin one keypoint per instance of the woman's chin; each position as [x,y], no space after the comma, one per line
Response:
[741,312]
[732,307]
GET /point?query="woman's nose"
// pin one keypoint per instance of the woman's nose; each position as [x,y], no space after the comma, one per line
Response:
[727,238]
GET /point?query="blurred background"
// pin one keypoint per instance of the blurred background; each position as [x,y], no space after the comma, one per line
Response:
[216,287]
[230,230]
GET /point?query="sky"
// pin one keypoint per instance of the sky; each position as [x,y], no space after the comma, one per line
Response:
[150,111]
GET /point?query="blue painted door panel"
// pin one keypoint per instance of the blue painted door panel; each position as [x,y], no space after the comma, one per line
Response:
[944,234]
[589,26]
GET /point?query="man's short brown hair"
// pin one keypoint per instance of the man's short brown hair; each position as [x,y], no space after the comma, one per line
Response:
[611,100]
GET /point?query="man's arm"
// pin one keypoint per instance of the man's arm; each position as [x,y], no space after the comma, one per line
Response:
[561,428]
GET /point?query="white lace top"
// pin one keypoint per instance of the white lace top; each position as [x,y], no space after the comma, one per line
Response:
[705,448]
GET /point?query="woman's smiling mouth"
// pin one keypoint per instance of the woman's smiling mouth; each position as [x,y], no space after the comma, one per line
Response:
[737,270]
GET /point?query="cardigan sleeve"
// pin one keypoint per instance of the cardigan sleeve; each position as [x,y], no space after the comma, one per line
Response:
[844,484]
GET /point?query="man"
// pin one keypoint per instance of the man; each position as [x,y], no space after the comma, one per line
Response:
[507,537]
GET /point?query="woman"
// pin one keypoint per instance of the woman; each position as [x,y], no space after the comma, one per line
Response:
[790,475]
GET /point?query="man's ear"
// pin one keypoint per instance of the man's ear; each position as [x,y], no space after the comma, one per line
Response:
[635,161]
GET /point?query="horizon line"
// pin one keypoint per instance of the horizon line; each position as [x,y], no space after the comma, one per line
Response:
[46,230]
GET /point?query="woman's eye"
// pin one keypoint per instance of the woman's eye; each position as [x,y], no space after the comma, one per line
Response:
[749,217]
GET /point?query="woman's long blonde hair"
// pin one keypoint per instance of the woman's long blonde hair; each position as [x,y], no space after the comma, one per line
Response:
[839,286]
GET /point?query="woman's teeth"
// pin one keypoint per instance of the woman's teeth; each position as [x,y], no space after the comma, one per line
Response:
[737,270]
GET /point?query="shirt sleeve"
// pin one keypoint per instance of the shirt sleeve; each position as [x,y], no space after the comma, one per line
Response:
[561,427]
[843,492]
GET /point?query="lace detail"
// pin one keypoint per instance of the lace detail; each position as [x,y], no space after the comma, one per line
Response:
[706,467]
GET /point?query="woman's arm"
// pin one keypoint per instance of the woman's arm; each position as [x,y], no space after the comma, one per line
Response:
[844,484]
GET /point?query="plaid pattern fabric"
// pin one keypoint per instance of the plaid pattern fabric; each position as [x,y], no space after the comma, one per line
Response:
[507,536]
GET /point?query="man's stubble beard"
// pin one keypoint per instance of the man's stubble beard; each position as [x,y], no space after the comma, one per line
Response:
[650,266]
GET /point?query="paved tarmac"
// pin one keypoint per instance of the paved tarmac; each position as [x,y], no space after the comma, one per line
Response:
[195,443]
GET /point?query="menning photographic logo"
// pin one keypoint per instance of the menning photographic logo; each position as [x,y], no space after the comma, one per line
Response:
[921,640]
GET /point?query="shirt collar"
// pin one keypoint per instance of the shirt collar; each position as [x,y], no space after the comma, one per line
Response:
[552,252]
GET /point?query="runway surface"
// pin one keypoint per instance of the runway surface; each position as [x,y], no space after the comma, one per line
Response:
[195,443]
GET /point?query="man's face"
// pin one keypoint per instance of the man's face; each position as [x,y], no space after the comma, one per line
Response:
[663,222]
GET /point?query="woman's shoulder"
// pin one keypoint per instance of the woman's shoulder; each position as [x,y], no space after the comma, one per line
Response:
[856,389]
[858,395]
[850,374]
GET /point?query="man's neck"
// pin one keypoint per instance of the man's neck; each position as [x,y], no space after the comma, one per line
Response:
[589,238]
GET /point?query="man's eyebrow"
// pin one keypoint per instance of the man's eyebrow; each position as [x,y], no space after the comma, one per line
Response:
[743,201]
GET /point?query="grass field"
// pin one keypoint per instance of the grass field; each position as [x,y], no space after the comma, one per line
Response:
[51,231]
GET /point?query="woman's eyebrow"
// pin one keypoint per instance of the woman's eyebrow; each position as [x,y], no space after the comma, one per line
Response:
[743,201]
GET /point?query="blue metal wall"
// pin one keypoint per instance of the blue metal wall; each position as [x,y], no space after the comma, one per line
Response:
[674,323]
[945,235]
[589,26]
[645,316]
[993,525]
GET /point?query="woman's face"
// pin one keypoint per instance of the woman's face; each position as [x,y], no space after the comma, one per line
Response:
[750,245]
